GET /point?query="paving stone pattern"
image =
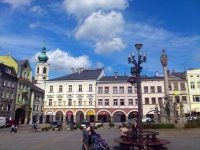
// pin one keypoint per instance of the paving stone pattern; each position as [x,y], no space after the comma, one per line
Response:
[70,140]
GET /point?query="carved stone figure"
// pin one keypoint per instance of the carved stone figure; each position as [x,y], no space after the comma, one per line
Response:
[164,59]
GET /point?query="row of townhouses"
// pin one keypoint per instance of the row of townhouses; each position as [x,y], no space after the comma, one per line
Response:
[87,93]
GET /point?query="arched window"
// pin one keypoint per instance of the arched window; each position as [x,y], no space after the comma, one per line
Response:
[8,107]
[37,69]
[44,70]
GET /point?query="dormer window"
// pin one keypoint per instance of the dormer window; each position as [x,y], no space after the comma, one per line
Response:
[8,70]
[25,66]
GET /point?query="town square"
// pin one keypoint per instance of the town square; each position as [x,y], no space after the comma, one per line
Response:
[99,75]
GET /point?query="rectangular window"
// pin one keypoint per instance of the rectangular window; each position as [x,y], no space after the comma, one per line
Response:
[153,100]
[100,90]
[106,90]
[27,75]
[159,89]
[115,102]
[192,85]
[100,102]
[11,95]
[198,84]
[70,88]
[135,89]
[90,87]
[160,101]
[114,90]
[122,102]
[50,102]
[146,100]
[175,86]
[152,89]
[80,88]
[90,102]
[60,88]
[37,107]
[51,89]
[106,102]
[80,102]
[8,83]
[2,94]
[130,90]
[136,102]
[130,102]
[183,86]
[24,74]
[69,102]
[59,102]
[121,90]
[196,98]
[146,89]
[184,99]
[4,83]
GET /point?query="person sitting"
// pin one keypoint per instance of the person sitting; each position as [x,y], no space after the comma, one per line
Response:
[134,125]
[85,139]
[123,129]
[92,138]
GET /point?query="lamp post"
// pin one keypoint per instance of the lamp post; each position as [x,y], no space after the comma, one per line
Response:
[136,71]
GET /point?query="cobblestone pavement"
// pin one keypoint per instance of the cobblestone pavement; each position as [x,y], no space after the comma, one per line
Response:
[70,140]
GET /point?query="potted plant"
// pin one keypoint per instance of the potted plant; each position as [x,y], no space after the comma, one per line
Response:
[100,126]
[111,125]
[78,126]
[50,128]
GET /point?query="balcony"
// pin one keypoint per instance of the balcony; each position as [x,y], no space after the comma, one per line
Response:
[5,112]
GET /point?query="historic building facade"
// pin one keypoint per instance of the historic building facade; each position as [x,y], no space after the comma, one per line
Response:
[152,94]
[8,88]
[116,99]
[193,81]
[178,90]
[71,97]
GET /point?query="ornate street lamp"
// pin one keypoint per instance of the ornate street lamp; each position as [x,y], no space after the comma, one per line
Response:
[136,71]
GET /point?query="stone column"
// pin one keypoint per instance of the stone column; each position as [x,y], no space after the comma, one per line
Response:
[111,118]
[84,116]
[96,117]
[44,119]
[54,117]
[126,117]
[64,119]
[74,118]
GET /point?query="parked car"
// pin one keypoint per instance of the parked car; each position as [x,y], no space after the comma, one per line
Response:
[2,122]
[73,125]
[145,119]
[9,123]
[99,122]
[56,124]
[130,121]
[84,122]
[150,120]
[191,118]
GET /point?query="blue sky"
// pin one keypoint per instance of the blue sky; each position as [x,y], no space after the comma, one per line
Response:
[101,33]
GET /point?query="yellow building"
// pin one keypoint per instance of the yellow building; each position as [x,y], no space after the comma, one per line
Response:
[193,79]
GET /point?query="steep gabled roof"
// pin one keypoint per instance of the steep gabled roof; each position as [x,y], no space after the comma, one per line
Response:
[113,78]
[21,62]
[3,70]
[83,75]
[181,75]
[35,88]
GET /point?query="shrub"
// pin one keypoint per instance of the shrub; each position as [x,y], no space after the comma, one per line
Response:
[158,126]
[195,124]
[111,125]
[99,125]
[78,125]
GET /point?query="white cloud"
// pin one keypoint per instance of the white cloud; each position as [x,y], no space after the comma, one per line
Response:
[109,69]
[16,3]
[37,9]
[103,29]
[81,8]
[99,65]
[101,25]
[33,25]
[61,61]
[109,46]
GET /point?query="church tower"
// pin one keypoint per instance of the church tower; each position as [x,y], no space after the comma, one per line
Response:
[42,67]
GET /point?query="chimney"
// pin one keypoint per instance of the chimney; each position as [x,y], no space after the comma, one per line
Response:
[72,70]
[79,70]
[168,73]
[116,74]
[82,69]
[156,73]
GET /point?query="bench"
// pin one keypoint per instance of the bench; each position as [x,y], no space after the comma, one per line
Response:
[156,144]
